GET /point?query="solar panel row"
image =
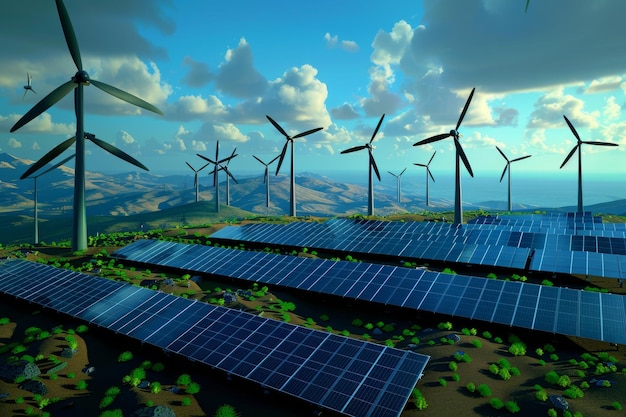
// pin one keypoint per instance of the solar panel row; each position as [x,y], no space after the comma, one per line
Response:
[566,311]
[351,377]
[467,244]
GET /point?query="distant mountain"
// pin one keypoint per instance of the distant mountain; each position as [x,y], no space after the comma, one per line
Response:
[142,192]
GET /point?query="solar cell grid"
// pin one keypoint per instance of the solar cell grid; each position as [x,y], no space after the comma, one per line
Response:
[316,366]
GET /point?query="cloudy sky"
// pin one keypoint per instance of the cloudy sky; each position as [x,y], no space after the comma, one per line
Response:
[217,68]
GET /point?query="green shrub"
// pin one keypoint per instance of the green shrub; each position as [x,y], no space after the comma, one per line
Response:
[421,403]
[487,335]
[456,377]
[442,382]
[226,411]
[484,390]
[453,366]
[496,403]
[552,412]
[552,377]
[125,357]
[465,331]
[158,367]
[503,363]
[512,407]
[564,381]
[518,349]
[497,339]
[541,395]
[82,384]
[192,388]
[554,357]
[616,405]
[514,371]
[584,385]
[357,322]
[539,352]
[573,392]
[185,401]
[184,379]
[155,387]
[477,343]
[542,362]
[471,387]
[106,401]
[445,326]
[112,392]
[493,368]
[504,374]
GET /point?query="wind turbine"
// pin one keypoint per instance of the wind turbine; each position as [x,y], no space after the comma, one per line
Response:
[195,177]
[580,160]
[229,176]
[460,155]
[266,178]
[288,141]
[398,179]
[77,83]
[218,166]
[508,168]
[372,165]
[428,173]
[34,177]
[28,87]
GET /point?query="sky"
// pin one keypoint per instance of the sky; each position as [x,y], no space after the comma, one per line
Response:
[217,68]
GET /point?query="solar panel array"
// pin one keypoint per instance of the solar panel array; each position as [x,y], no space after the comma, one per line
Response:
[348,376]
[475,244]
[565,311]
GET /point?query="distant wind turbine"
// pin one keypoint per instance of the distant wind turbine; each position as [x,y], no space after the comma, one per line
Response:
[266,178]
[398,180]
[218,166]
[229,175]
[372,166]
[577,147]
[34,177]
[460,155]
[196,185]
[289,141]
[28,87]
[77,83]
[507,167]
[428,173]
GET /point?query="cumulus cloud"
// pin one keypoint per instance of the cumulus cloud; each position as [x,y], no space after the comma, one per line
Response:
[612,110]
[604,85]
[344,112]
[222,132]
[552,106]
[346,45]
[14,143]
[199,73]
[187,108]
[237,76]
[40,124]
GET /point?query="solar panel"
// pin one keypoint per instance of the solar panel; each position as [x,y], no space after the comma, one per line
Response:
[474,244]
[348,376]
[511,303]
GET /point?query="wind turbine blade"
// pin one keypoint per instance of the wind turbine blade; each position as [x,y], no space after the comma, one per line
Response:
[275,158]
[520,158]
[377,127]
[56,151]
[433,139]
[230,175]
[195,180]
[429,173]
[461,152]
[55,166]
[227,159]
[502,153]
[504,172]
[420,165]
[217,150]
[402,172]
[277,126]
[206,159]
[116,151]
[254,156]
[600,143]
[373,162]
[467,103]
[392,174]
[45,104]
[354,149]
[572,128]
[569,155]
[308,132]
[282,157]
[127,97]
[192,168]
[431,158]
[70,36]
[203,166]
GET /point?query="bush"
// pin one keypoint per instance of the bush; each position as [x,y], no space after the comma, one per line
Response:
[573,392]
[552,377]
[497,340]
[193,388]
[82,384]
[184,379]
[504,374]
[541,395]
[456,377]
[442,382]
[512,407]
[539,352]
[496,403]
[484,390]
[471,387]
[226,411]
[477,343]
[552,412]
[487,335]
[106,401]
[185,401]
[421,403]
[616,405]
[554,357]
[357,322]
[125,357]
[503,363]
[584,385]
[445,326]
[517,349]
[155,387]
[453,366]
[515,371]
[564,381]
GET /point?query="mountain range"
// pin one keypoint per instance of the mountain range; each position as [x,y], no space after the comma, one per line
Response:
[137,192]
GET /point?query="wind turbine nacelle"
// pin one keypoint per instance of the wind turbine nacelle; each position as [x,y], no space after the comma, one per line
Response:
[81,77]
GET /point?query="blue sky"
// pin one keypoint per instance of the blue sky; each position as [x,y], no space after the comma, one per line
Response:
[216,68]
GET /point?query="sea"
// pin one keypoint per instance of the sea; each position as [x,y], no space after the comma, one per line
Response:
[543,190]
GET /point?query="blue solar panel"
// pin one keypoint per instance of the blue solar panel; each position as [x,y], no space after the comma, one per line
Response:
[330,371]
[512,303]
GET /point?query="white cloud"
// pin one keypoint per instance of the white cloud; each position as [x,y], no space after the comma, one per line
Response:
[14,143]
[612,110]
[604,85]
[346,45]
[35,146]
[125,137]
[237,76]
[198,146]
[199,73]
[552,106]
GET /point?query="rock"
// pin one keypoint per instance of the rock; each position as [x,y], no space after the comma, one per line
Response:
[36,387]
[20,368]
[156,411]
